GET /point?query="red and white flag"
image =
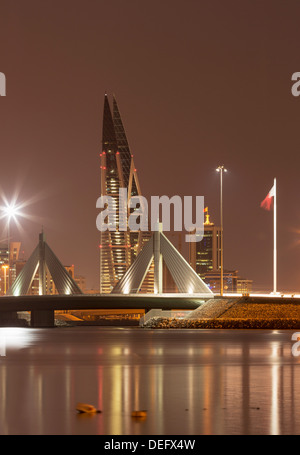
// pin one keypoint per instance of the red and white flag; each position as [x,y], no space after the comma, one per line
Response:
[267,202]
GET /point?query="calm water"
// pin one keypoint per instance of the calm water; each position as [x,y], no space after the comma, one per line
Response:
[191,382]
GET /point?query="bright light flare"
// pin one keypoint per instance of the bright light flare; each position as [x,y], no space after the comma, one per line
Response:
[15,210]
[12,211]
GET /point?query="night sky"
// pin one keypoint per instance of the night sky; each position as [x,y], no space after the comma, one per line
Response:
[198,84]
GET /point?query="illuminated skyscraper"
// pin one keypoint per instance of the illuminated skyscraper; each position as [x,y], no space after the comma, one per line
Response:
[205,256]
[118,248]
[8,267]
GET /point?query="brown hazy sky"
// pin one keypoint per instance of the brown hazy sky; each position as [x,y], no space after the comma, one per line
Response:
[198,83]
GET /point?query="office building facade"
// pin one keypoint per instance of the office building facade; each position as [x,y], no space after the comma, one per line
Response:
[118,248]
[205,256]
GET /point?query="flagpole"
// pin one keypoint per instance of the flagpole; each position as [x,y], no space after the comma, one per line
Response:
[221,169]
[275,241]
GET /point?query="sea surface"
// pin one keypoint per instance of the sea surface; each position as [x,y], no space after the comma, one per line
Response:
[189,382]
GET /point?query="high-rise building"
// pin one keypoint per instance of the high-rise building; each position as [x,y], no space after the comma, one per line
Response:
[118,248]
[205,256]
[230,279]
[8,267]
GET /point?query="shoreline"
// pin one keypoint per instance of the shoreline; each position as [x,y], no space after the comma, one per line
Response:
[224,323]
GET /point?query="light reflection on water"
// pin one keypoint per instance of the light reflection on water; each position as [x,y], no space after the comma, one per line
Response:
[189,381]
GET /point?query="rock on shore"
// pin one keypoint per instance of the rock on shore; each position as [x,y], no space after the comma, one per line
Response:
[238,313]
[223,323]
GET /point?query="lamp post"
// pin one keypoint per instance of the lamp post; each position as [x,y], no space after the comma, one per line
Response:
[221,169]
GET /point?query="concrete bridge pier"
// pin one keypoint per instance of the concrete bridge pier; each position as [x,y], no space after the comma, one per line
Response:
[8,318]
[42,318]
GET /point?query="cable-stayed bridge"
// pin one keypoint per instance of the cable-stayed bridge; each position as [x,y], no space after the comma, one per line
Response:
[192,290]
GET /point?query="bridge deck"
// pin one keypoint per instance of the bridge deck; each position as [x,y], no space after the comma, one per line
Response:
[42,307]
[92,302]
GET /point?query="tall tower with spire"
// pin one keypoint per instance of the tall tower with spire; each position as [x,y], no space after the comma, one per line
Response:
[118,249]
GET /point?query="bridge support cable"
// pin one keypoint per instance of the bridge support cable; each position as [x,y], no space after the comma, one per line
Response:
[42,260]
[157,249]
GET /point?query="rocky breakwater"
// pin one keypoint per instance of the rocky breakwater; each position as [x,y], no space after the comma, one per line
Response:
[239,313]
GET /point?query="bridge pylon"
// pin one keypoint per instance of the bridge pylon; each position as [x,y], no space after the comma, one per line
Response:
[41,260]
[157,249]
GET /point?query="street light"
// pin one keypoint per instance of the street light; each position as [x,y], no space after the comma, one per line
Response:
[221,169]
[14,210]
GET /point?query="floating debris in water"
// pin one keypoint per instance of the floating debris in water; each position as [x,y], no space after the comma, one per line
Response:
[84,408]
[142,414]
